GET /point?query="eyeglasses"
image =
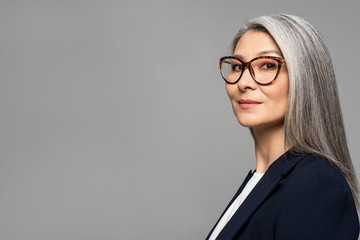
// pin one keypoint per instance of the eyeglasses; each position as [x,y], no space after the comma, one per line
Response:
[262,69]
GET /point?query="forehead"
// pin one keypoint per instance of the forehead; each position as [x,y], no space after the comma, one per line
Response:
[256,43]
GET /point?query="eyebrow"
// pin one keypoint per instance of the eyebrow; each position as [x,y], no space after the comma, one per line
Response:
[262,53]
[270,51]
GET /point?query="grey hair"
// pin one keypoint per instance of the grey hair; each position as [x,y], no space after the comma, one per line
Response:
[313,120]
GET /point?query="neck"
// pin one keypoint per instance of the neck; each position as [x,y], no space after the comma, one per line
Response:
[269,146]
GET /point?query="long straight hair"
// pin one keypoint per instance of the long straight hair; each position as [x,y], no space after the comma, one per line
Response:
[313,120]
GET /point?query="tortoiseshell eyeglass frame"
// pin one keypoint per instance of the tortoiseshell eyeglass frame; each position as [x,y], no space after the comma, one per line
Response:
[248,66]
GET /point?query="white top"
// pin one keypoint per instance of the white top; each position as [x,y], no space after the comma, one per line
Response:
[236,204]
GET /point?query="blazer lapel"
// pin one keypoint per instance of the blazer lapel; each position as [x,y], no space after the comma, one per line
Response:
[277,170]
[249,175]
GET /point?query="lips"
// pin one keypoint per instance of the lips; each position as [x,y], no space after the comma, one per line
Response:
[246,103]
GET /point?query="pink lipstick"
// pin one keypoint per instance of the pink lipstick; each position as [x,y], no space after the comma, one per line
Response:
[246,104]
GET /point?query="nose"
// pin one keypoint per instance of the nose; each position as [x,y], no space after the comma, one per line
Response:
[246,81]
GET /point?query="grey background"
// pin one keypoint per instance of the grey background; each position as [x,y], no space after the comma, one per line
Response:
[114,120]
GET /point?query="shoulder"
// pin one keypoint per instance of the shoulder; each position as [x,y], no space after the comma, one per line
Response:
[315,177]
[317,170]
[308,175]
[318,199]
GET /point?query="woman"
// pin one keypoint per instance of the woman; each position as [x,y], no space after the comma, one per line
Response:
[281,85]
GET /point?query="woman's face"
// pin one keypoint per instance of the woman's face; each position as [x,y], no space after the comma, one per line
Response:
[254,105]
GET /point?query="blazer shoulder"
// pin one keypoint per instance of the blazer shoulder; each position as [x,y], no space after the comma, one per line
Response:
[316,168]
[319,196]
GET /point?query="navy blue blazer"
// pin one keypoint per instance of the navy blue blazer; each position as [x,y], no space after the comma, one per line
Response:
[300,197]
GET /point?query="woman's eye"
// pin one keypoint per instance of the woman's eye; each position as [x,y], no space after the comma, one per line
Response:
[269,66]
[236,67]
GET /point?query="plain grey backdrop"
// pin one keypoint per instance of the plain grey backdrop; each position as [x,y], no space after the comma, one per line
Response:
[115,123]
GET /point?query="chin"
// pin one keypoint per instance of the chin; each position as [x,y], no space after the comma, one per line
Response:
[249,124]
[248,121]
[258,123]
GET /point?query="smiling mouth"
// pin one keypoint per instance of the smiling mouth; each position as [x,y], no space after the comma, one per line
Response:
[246,104]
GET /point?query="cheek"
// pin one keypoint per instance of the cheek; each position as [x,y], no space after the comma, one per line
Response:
[230,89]
[278,94]
[283,92]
